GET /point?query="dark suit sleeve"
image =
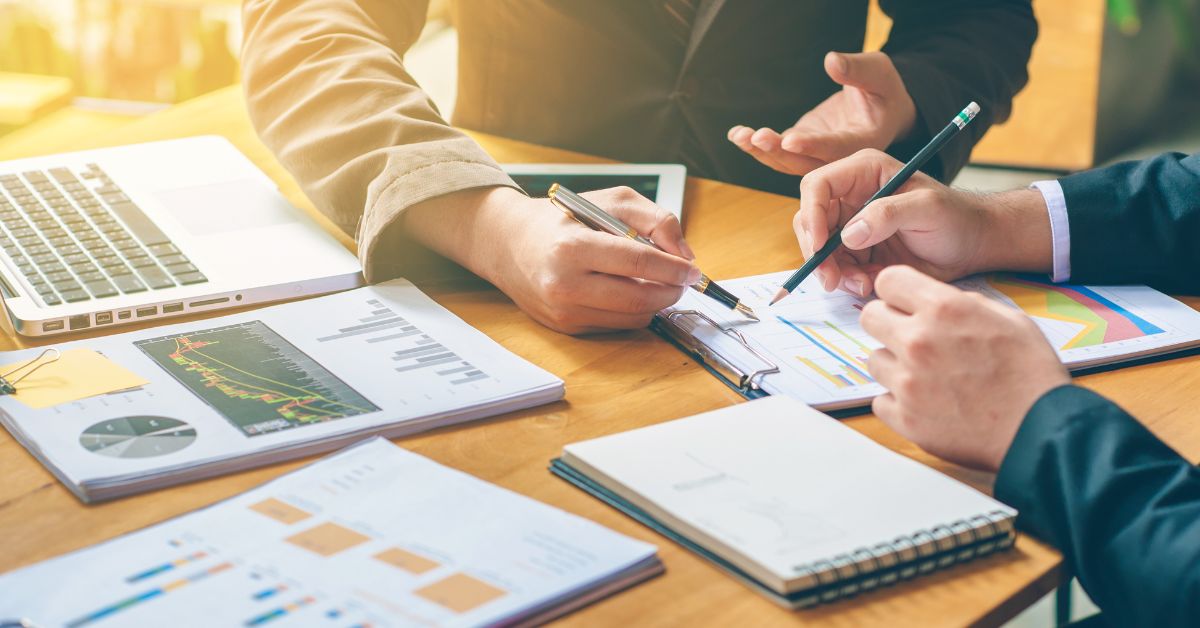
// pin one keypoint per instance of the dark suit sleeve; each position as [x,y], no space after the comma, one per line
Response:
[1121,505]
[952,52]
[1137,222]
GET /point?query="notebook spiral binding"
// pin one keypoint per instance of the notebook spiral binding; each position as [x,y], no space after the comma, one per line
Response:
[920,553]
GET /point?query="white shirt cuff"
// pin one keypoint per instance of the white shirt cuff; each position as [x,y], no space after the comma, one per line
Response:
[1060,228]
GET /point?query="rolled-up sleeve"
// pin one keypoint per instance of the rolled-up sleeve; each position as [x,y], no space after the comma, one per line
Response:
[328,92]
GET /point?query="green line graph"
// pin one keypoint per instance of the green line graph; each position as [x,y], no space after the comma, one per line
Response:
[255,378]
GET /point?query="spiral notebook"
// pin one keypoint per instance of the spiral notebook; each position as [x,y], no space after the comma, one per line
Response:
[790,501]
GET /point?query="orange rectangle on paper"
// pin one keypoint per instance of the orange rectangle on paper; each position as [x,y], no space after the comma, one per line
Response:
[282,512]
[327,539]
[460,593]
[407,561]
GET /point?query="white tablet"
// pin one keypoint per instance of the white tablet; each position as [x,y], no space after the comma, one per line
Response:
[661,183]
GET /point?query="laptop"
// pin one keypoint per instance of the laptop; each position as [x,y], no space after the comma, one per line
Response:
[114,236]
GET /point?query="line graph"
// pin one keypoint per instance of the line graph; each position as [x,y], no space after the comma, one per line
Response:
[255,378]
[849,354]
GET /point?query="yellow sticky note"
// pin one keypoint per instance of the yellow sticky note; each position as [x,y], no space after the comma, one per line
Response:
[76,374]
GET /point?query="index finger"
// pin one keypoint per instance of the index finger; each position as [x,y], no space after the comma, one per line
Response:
[908,289]
[615,255]
[646,217]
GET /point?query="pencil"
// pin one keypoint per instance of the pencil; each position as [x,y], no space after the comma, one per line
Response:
[958,123]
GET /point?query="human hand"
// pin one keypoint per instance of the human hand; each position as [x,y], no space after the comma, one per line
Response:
[941,231]
[872,110]
[961,370]
[563,274]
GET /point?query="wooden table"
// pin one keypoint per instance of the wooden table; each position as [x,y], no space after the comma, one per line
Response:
[614,383]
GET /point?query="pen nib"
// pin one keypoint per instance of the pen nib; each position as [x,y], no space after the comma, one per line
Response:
[778,297]
[747,312]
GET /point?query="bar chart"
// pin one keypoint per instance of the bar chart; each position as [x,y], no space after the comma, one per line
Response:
[415,349]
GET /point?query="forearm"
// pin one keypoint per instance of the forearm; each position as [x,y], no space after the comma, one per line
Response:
[1121,505]
[950,53]
[471,227]
[328,93]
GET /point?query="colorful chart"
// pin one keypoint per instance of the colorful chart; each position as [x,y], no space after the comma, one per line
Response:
[1101,320]
[255,378]
[137,437]
[276,613]
[849,353]
[149,594]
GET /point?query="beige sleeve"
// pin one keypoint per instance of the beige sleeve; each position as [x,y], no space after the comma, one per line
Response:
[327,91]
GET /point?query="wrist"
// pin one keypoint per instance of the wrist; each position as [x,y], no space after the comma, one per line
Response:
[1016,233]
[470,226]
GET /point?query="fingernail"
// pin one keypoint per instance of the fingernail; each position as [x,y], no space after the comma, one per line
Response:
[853,286]
[856,234]
[839,62]
[693,275]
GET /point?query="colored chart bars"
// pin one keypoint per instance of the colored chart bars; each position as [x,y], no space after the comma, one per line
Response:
[149,594]
[848,353]
[1092,319]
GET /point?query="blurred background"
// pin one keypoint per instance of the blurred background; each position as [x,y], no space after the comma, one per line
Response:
[1109,80]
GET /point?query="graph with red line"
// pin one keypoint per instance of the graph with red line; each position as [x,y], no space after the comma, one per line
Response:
[254,378]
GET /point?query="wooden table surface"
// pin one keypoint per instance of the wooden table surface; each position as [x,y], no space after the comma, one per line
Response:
[614,383]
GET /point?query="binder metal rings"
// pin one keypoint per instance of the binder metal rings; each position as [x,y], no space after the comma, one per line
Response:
[743,379]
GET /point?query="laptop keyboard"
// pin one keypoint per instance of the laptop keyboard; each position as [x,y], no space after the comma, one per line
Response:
[76,236]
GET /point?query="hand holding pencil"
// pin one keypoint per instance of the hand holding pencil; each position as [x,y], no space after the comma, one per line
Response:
[941,231]
[849,194]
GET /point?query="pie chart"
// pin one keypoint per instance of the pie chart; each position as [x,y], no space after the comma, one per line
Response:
[137,437]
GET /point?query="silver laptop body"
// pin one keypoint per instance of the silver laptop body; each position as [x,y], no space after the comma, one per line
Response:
[119,235]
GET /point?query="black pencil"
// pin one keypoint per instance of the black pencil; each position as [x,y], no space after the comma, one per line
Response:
[958,123]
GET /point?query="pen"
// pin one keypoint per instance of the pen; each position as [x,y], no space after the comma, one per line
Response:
[958,123]
[592,216]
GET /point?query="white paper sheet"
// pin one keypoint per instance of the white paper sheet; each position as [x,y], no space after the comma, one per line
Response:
[373,535]
[821,350]
[289,379]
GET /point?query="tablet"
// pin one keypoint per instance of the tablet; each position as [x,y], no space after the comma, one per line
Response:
[661,183]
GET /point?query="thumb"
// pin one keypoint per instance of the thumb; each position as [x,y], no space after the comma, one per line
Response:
[883,218]
[868,71]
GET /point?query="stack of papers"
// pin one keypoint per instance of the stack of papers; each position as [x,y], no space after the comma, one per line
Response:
[372,536]
[817,352]
[249,389]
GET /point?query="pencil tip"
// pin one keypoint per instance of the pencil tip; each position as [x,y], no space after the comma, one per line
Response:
[778,296]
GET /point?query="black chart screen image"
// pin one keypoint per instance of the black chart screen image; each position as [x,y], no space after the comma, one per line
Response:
[255,378]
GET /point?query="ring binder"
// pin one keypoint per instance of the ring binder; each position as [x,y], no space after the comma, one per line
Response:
[745,382]
[919,553]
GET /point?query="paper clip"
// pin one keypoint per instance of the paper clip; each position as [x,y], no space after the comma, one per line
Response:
[9,386]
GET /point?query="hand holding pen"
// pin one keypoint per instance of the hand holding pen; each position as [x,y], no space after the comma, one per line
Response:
[592,216]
